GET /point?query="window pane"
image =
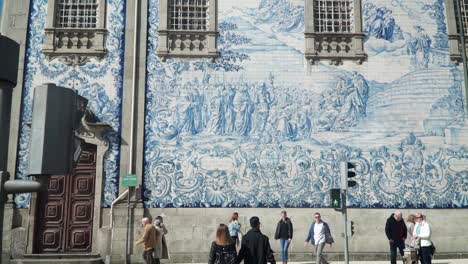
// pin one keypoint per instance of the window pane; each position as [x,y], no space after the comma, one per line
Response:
[76,14]
[333,15]
[464,14]
[189,15]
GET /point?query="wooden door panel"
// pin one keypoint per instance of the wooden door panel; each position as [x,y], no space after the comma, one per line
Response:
[56,187]
[64,219]
[79,239]
[87,158]
[83,184]
[53,213]
[52,240]
[81,212]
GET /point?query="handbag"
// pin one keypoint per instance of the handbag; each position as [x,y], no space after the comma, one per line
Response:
[433,249]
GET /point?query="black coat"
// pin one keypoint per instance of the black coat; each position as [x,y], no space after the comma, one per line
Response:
[218,249]
[290,228]
[395,230]
[255,248]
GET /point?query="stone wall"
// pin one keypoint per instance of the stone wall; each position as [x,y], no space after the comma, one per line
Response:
[191,231]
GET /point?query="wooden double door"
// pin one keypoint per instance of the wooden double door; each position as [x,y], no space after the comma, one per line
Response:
[64,214]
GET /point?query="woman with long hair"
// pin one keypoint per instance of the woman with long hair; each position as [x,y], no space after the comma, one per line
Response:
[234,228]
[411,244]
[223,249]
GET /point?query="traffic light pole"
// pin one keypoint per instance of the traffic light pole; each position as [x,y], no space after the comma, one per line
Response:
[9,52]
[345,224]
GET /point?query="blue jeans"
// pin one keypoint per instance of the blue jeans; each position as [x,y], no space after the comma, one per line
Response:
[284,243]
[426,257]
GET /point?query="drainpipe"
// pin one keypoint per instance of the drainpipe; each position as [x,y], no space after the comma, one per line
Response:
[133,125]
[463,52]
[111,222]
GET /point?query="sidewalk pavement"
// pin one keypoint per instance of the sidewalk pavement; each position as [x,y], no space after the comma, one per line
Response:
[436,261]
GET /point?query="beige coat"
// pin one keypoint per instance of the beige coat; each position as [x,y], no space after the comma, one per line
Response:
[149,238]
[160,250]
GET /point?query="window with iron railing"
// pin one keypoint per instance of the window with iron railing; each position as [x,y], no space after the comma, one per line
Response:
[75,30]
[188,28]
[189,15]
[333,16]
[77,14]
[454,13]
[334,31]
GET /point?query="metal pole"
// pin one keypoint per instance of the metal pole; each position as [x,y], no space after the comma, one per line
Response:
[345,222]
[9,52]
[127,244]
[4,176]
[463,52]
[6,89]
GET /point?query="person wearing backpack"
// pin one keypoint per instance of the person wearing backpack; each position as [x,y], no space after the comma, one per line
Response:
[223,249]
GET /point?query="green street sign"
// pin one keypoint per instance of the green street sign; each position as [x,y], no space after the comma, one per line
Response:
[129,180]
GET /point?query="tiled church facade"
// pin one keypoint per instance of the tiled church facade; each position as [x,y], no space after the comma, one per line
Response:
[260,128]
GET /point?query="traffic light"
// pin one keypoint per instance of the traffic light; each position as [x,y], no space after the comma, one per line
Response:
[335,198]
[350,228]
[57,112]
[347,173]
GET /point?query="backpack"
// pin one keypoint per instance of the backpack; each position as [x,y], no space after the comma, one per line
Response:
[225,257]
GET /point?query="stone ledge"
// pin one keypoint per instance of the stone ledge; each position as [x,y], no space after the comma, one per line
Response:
[202,257]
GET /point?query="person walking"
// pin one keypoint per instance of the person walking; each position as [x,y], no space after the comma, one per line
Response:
[160,250]
[234,228]
[223,249]
[410,241]
[148,240]
[422,231]
[319,235]
[396,232]
[284,232]
[255,246]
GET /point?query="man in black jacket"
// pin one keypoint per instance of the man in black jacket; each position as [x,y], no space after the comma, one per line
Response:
[255,248]
[395,229]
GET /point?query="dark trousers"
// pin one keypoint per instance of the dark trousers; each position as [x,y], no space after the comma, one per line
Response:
[148,256]
[426,257]
[400,244]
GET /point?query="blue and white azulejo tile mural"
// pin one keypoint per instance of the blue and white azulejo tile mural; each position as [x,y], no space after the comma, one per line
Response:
[99,81]
[260,128]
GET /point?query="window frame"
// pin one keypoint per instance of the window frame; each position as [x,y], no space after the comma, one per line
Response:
[173,43]
[334,47]
[454,38]
[82,44]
